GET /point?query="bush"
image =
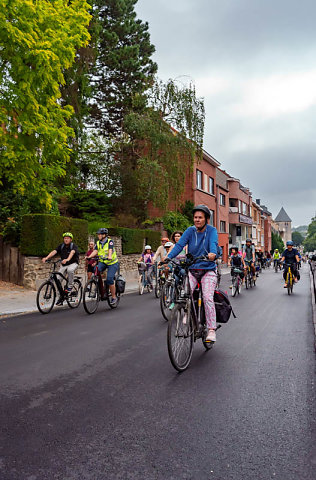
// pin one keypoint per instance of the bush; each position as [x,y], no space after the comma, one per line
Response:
[42,233]
[133,239]
[91,205]
[175,221]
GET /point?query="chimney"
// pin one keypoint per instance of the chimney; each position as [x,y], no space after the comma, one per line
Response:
[258,201]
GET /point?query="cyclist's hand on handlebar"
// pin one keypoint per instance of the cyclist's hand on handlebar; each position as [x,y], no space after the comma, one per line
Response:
[211,256]
[44,259]
[64,261]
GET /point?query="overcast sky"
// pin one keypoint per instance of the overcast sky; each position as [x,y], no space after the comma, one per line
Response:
[254,62]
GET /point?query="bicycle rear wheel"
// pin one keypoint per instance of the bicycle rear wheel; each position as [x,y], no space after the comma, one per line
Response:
[91,296]
[180,338]
[46,296]
[75,296]
[157,287]
[247,281]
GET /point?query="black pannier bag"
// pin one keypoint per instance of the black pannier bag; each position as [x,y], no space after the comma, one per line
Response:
[120,284]
[222,306]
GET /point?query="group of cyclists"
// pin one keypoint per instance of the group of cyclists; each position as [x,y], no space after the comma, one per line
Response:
[199,240]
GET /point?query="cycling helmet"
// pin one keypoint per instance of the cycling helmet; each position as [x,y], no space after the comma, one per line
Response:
[147,247]
[102,231]
[289,243]
[248,240]
[169,244]
[202,208]
[276,250]
[68,234]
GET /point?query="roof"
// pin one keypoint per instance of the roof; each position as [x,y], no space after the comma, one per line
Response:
[210,159]
[282,216]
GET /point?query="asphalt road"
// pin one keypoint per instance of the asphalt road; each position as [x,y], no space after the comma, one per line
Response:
[96,398]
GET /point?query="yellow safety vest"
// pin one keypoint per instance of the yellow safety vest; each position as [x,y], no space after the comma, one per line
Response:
[103,253]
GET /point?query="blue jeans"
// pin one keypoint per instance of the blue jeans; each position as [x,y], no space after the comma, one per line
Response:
[112,269]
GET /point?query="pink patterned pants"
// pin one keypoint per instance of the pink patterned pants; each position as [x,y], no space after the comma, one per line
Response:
[208,283]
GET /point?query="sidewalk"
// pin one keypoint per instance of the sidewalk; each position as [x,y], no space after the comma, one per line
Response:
[15,299]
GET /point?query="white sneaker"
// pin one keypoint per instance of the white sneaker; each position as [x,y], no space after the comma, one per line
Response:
[211,336]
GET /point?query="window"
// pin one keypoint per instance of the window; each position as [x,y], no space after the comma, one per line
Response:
[239,206]
[199,179]
[212,218]
[244,208]
[222,226]
[211,185]
[222,199]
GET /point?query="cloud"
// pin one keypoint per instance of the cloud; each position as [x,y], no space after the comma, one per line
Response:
[253,62]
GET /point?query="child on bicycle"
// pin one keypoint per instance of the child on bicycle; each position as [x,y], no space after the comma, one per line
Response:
[236,261]
[147,258]
[69,255]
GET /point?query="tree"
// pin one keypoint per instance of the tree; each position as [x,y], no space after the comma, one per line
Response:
[276,242]
[297,238]
[310,240]
[124,69]
[161,145]
[38,43]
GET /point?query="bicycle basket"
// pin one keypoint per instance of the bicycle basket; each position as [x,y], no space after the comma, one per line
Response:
[120,283]
[141,267]
[222,306]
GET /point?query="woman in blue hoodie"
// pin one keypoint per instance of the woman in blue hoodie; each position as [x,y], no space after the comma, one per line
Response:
[202,240]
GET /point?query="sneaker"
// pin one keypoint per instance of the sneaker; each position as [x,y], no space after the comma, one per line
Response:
[113,301]
[68,290]
[59,302]
[285,285]
[171,306]
[211,336]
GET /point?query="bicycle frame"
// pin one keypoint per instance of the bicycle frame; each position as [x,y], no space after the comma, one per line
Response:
[54,278]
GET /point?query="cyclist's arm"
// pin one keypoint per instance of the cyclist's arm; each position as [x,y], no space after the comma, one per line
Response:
[158,254]
[50,255]
[179,246]
[93,254]
[297,258]
[282,259]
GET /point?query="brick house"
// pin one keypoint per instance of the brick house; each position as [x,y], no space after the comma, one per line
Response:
[240,212]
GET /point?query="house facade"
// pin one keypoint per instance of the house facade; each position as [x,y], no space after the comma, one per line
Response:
[240,213]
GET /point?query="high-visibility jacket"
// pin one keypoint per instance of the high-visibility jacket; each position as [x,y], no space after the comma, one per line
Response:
[276,256]
[103,253]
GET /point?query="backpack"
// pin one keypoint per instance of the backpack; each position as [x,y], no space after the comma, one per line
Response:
[222,306]
[71,246]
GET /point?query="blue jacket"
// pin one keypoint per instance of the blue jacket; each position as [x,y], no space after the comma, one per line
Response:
[199,243]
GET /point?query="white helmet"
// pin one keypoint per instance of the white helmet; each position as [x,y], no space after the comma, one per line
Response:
[147,247]
[168,244]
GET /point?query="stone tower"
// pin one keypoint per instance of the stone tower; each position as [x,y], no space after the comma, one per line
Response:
[285,225]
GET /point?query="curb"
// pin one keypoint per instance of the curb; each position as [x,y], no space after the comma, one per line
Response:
[313,303]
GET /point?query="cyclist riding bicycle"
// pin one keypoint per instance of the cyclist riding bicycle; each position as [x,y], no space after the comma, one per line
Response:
[69,255]
[105,250]
[249,256]
[161,251]
[147,258]
[236,261]
[276,257]
[202,239]
[290,258]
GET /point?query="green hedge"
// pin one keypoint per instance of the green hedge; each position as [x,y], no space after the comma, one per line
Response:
[132,238]
[42,233]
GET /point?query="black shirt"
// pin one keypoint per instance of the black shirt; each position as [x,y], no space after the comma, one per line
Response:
[235,261]
[290,255]
[64,250]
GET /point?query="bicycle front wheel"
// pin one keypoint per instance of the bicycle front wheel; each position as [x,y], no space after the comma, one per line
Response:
[157,288]
[45,298]
[166,300]
[91,296]
[180,338]
[75,296]
[234,286]
[141,285]
[239,284]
